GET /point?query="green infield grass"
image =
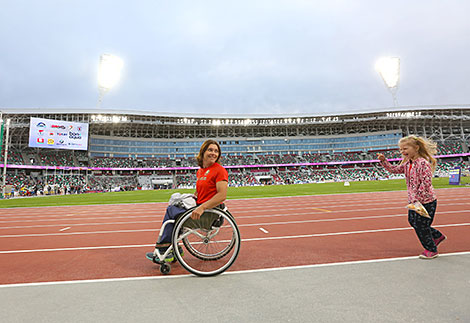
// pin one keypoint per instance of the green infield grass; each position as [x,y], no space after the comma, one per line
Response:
[233,193]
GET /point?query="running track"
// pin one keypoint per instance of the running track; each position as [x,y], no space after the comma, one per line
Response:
[47,244]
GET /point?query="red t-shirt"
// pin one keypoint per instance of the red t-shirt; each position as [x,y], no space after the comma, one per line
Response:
[207,179]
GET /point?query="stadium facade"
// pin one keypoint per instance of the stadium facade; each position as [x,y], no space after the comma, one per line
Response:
[154,142]
[144,134]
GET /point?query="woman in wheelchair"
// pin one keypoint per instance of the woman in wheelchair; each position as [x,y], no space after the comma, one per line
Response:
[211,191]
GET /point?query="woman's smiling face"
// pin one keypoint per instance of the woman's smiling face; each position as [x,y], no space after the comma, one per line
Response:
[211,155]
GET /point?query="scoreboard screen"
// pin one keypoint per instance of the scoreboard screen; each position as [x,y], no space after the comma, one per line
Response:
[47,133]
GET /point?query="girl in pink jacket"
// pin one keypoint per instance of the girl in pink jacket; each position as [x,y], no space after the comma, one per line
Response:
[418,165]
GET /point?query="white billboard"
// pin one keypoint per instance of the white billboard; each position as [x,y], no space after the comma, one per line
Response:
[46,133]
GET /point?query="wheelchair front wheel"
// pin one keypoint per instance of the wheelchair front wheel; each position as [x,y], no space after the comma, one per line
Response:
[165,268]
[212,242]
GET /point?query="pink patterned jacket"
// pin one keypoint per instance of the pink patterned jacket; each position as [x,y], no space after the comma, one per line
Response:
[418,179]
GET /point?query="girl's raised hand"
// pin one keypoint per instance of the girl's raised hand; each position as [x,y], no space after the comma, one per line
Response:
[381,157]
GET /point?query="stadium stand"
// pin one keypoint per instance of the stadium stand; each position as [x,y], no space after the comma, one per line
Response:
[14,157]
[146,151]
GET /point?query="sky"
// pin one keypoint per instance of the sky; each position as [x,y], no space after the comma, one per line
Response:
[233,57]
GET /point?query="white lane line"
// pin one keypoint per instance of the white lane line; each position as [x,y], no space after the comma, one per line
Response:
[75,224]
[78,248]
[254,199]
[75,233]
[265,231]
[349,232]
[249,271]
[250,210]
[243,240]
[338,219]
[82,219]
[405,213]
[239,225]
[64,229]
[333,264]
[237,217]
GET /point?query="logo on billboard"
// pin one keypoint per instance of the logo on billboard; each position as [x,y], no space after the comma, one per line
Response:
[75,135]
[62,134]
[61,143]
[50,141]
[58,126]
[79,128]
[41,140]
[41,125]
[41,132]
[70,127]
[51,133]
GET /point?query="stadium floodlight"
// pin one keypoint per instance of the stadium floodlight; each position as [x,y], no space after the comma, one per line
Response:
[109,73]
[389,70]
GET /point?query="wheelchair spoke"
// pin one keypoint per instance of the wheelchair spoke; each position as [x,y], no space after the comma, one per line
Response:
[210,246]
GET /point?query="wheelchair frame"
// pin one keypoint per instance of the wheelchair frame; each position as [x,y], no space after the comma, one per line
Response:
[181,233]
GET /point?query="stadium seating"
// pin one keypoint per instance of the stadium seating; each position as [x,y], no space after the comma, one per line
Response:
[25,183]
[113,162]
[79,158]
[449,148]
[56,158]
[14,157]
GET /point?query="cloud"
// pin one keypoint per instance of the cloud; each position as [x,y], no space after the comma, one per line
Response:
[279,56]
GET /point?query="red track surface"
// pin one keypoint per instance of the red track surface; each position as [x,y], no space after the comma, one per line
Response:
[110,241]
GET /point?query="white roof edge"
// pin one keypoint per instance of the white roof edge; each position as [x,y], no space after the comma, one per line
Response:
[230,116]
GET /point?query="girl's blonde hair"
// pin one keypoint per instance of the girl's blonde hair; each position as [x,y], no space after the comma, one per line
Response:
[425,148]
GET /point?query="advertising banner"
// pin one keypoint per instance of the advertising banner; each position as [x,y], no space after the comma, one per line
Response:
[57,134]
[454,176]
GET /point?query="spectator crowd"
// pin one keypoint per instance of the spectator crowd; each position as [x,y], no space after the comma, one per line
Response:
[23,183]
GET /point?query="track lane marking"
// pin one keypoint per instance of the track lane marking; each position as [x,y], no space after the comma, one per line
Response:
[252,209]
[103,208]
[319,209]
[120,205]
[237,217]
[248,271]
[239,225]
[73,224]
[76,233]
[314,235]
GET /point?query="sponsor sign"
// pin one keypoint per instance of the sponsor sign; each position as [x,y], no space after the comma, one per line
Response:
[454,176]
[47,133]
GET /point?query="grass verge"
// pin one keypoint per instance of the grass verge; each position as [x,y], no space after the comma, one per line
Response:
[233,193]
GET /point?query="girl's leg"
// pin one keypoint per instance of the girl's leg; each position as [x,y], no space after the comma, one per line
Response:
[422,226]
[431,208]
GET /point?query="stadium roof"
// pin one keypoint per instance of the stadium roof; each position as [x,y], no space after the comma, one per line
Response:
[75,110]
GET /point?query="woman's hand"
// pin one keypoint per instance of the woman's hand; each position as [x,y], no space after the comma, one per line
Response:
[381,157]
[196,215]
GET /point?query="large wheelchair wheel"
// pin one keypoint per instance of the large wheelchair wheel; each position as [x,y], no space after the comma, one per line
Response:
[212,243]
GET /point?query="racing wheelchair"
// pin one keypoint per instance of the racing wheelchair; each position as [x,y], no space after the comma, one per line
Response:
[204,247]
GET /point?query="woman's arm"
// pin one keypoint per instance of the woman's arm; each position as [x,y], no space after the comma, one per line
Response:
[217,199]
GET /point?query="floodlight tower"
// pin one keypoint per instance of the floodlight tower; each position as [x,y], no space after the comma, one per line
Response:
[389,70]
[109,73]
